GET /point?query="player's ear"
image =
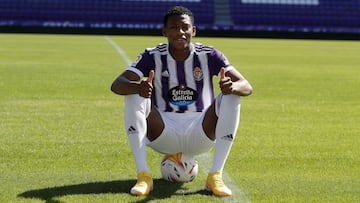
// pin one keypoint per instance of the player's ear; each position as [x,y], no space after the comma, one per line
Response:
[193,30]
[164,32]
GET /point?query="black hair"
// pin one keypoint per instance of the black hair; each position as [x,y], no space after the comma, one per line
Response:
[178,10]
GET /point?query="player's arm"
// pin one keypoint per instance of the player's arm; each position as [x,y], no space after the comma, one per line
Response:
[232,82]
[129,83]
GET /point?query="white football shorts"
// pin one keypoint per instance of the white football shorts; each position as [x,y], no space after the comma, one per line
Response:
[183,133]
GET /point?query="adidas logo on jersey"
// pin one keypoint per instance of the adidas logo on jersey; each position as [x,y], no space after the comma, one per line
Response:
[165,74]
[132,130]
[229,137]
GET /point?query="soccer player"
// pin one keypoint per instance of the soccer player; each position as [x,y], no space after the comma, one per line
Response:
[175,110]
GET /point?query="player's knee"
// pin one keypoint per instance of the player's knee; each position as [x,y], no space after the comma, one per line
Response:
[135,102]
[230,100]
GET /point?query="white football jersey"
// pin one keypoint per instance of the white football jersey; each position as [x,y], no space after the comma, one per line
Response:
[181,86]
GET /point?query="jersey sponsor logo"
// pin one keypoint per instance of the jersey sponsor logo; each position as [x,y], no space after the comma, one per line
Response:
[198,74]
[182,95]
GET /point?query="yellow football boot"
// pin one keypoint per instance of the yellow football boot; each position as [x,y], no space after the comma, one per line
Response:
[215,184]
[143,185]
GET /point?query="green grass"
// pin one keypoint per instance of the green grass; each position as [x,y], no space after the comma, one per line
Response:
[62,136]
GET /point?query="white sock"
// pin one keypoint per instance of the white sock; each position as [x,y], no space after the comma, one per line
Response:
[228,111]
[136,110]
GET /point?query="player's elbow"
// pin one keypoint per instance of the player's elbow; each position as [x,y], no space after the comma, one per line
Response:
[247,90]
[115,87]
[244,88]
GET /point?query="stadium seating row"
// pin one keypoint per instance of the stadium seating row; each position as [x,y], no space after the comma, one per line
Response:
[327,13]
[266,15]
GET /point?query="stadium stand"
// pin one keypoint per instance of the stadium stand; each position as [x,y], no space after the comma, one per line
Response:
[301,16]
[96,13]
[325,16]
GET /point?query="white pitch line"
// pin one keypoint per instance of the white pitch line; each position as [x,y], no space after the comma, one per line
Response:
[238,195]
[119,50]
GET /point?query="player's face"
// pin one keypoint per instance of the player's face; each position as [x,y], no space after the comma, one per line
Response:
[179,31]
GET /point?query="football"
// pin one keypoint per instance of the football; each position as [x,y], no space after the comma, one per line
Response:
[179,168]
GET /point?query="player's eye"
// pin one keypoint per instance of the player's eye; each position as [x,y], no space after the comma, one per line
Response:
[185,27]
[174,27]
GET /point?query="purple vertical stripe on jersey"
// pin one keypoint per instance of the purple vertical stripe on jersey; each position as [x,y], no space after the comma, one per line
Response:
[180,69]
[199,85]
[212,87]
[153,97]
[211,66]
[153,94]
[165,83]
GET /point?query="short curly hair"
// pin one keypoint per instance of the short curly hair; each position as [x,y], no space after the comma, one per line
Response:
[178,10]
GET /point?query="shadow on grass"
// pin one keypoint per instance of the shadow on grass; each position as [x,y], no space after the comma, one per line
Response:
[162,190]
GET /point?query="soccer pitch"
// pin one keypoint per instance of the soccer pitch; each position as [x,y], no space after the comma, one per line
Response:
[62,137]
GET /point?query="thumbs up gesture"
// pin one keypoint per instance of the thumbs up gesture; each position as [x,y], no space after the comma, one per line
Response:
[151,77]
[146,86]
[225,83]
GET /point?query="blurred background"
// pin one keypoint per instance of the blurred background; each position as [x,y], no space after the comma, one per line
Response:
[238,18]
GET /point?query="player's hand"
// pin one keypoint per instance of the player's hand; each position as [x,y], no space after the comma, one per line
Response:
[226,85]
[146,86]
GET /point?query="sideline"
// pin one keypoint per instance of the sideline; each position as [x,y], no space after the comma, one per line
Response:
[238,195]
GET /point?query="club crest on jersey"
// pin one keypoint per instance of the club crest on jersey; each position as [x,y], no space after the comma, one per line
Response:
[182,95]
[198,74]
[138,58]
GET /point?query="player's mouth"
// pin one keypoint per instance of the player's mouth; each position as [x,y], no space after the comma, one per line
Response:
[181,40]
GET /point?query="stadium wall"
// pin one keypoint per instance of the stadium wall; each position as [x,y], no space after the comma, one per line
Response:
[232,18]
